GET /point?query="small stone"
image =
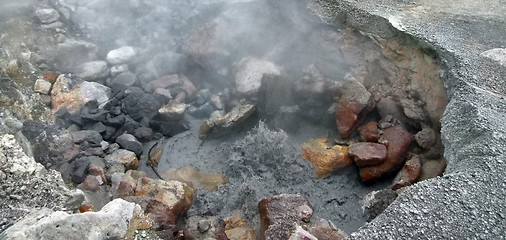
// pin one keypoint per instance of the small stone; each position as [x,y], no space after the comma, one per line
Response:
[301,234]
[173,112]
[432,168]
[143,133]
[163,92]
[42,86]
[408,174]
[369,132]
[324,229]
[324,158]
[90,183]
[125,78]
[194,178]
[91,136]
[120,55]
[426,138]
[117,69]
[93,70]
[129,142]
[47,15]
[249,72]
[376,202]
[203,226]
[367,154]
[125,157]
[79,169]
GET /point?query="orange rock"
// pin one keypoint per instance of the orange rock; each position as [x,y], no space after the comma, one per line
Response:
[367,154]
[325,159]
[234,222]
[241,233]
[194,178]
[86,208]
[408,174]
[398,141]
[347,117]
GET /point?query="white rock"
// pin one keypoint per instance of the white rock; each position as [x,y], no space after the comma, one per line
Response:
[248,74]
[42,86]
[120,55]
[94,91]
[496,54]
[93,70]
[117,69]
[47,15]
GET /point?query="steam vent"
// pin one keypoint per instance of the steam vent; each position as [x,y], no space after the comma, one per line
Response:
[252,119]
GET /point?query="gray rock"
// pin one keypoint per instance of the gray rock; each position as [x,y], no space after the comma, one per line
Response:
[496,54]
[91,136]
[426,138]
[376,202]
[80,169]
[71,54]
[42,86]
[94,91]
[111,222]
[143,133]
[47,15]
[203,111]
[117,69]
[93,70]
[9,123]
[163,92]
[125,78]
[129,142]
[120,55]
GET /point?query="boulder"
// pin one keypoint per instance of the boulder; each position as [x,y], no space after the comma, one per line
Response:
[369,132]
[248,74]
[129,142]
[163,201]
[125,157]
[354,104]
[42,86]
[398,142]
[120,55]
[325,158]
[367,154]
[376,202]
[66,93]
[194,179]
[280,214]
[408,174]
[113,221]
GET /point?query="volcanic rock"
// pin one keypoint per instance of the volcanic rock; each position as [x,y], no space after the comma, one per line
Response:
[90,183]
[129,142]
[398,141]
[325,159]
[376,202]
[168,128]
[120,55]
[173,112]
[79,169]
[125,157]
[90,111]
[322,229]
[367,154]
[92,70]
[138,104]
[369,132]
[194,179]
[117,69]
[249,72]
[143,133]
[47,15]
[164,93]
[280,214]
[203,111]
[90,136]
[164,82]
[408,174]
[237,229]
[426,138]
[42,86]
[432,168]
[66,93]
[300,234]
[354,103]
[125,78]
[163,201]
[71,54]
[111,222]
[205,227]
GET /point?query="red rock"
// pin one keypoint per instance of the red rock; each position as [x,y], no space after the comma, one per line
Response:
[346,117]
[398,141]
[369,132]
[354,104]
[98,172]
[367,154]
[90,183]
[408,174]
[279,213]
[324,158]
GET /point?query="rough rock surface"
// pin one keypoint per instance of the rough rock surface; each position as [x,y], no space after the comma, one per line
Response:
[367,154]
[473,129]
[112,221]
[409,173]
[249,72]
[26,185]
[325,159]
[194,178]
[65,93]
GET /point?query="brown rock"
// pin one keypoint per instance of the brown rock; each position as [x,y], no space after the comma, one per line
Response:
[369,132]
[323,230]
[90,183]
[125,157]
[241,233]
[325,159]
[398,141]
[99,173]
[408,174]
[432,168]
[198,227]
[346,117]
[65,94]
[426,138]
[367,154]
[280,214]
[194,178]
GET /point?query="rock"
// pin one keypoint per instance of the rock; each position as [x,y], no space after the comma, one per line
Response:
[173,112]
[280,214]
[248,74]
[369,132]
[71,54]
[203,111]
[125,157]
[237,115]
[194,179]
[496,54]
[47,15]
[167,128]
[413,110]
[91,112]
[367,154]
[143,133]
[164,82]
[398,141]
[426,138]
[117,121]
[237,229]
[140,105]
[93,70]
[388,121]
[300,234]
[111,222]
[64,94]
[125,78]
[203,45]
[129,142]
[90,183]
[79,169]
[354,104]
[324,229]
[325,159]
[93,137]
[198,227]
[389,106]
[120,55]
[117,69]
[163,201]
[408,174]
[97,172]
[376,202]
[217,102]
[42,86]
[188,86]
[164,93]
[432,168]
